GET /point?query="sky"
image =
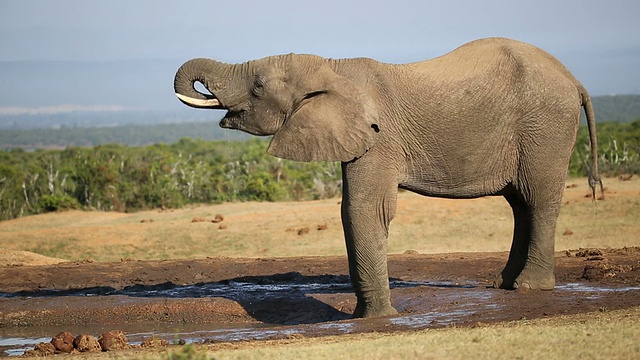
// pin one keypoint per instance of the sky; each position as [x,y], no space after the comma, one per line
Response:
[599,41]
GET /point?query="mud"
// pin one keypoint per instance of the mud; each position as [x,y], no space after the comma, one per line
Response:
[224,299]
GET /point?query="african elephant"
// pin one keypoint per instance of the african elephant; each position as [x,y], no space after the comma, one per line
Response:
[493,117]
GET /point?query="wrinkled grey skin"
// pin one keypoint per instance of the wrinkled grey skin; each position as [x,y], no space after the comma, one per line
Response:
[493,117]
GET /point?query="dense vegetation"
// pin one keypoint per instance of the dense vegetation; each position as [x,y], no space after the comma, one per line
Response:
[618,149]
[121,178]
[115,177]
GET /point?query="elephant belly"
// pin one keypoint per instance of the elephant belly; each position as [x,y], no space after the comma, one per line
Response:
[455,190]
[460,177]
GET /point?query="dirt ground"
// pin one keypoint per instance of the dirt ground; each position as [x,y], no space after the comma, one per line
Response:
[223,299]
[281,297]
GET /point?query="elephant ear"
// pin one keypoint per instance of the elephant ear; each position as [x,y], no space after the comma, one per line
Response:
[334,121]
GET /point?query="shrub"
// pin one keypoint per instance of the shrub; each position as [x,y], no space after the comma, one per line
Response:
[49,203]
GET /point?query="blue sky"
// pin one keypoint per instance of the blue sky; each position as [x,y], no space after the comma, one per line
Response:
[241,30]
[598,40]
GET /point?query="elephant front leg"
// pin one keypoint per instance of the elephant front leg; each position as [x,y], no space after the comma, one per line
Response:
[366,214]
[366,240]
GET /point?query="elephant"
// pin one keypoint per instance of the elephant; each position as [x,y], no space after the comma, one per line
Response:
[494,117]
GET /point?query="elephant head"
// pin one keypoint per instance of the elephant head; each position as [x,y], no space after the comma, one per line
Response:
[313,113]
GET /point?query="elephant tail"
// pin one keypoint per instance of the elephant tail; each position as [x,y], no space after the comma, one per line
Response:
[594,175]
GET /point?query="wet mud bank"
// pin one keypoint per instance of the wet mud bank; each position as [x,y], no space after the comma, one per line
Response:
[222,299]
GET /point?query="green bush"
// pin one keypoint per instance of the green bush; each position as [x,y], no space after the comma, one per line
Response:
[49,203]
[121,178]
[618,150]
[262,187]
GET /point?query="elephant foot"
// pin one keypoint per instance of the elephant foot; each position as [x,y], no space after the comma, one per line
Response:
[505,279]
[526,280]
[374,309]
[538,283]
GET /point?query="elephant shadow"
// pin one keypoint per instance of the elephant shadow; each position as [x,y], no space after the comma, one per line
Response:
[278,299]
[282,299]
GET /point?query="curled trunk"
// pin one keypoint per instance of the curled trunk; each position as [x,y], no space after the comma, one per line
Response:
[197,70]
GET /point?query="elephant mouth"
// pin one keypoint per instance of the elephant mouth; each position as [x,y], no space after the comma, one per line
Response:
[204,101]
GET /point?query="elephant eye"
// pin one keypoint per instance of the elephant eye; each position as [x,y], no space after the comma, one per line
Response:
[313,94]
[258,86]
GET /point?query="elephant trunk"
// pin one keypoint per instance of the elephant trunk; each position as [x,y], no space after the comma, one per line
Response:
[193,71]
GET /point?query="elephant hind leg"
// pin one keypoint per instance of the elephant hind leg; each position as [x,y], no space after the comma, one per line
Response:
[535,196]
[531,258]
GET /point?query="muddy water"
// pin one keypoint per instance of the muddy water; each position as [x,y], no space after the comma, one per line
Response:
[422,304]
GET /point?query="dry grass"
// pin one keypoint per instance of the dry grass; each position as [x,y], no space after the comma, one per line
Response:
[427,225]
[602,335]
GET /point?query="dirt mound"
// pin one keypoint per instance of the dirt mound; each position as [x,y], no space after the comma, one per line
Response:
[25,258]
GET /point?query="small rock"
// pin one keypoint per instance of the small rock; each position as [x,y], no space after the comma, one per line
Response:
[222,227]
[198,219]
[567,232]
[113,340]
[41,349]
[322,227]
[595,272]
[63,342]
[595,258]
[86,343]
[146,221]
[218,218]
[153,342]
[583,252]
[302,231]
[411,252]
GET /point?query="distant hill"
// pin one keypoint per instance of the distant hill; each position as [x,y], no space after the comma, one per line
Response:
[621,108]
[136,128]
[99,119]
[130,135]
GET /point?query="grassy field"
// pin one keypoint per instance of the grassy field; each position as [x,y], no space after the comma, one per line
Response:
[426,225]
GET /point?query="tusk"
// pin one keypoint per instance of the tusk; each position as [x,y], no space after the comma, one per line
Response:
[201,103]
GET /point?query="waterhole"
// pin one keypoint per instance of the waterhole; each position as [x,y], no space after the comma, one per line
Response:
[422,305]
